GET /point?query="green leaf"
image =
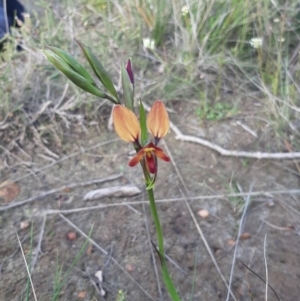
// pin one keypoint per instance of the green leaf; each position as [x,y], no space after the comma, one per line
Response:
[76,78]
[72,63]
[99,70]
[143,125]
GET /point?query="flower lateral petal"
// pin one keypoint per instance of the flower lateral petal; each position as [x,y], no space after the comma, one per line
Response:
[126,124]
[161,155]
[137,158]
[158,122]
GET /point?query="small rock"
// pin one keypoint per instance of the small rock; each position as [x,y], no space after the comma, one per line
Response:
[81,295]
[24,225]
[245,235]
[130,267]
[99,275]
[89,250]
[203,213]
[218,252]
[71,235]
[231,242]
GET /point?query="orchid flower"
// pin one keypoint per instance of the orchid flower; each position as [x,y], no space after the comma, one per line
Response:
[128,129]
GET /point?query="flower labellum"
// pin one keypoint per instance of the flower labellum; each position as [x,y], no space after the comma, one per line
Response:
[150,153]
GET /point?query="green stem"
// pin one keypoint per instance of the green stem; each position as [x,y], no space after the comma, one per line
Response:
[166,276]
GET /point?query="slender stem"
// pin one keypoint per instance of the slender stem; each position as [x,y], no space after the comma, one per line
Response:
[156,222]
[166,276]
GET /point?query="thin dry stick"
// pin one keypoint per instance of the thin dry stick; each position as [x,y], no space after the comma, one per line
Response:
[232,153]
[38,248]
[267,274]
[202,197]
[288,207]
[56,190]
[195,220]
[28,272]
[37,140]
[106,253]
[152,253]
[242,221]
[276,227]
[62,97]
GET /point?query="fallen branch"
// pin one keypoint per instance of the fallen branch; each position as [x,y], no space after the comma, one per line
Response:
[116,191]
[232,153]
[181,199]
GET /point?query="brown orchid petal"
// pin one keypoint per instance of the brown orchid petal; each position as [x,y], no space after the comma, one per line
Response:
[137,158]
[126,123]
[158,122]
[160,154]
[150,152]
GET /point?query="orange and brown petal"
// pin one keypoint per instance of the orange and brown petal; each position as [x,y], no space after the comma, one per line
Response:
[158,122]
[160,154]
[137,158]
[126,124]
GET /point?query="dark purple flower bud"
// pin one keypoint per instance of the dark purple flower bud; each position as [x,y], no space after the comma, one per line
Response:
[129,71]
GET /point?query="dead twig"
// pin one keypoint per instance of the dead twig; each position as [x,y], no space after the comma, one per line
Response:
[62,97]
[27,269]
[183,199]
[37,140]
[38,248]
[267,274]
[56,190]
[116,191]
[109,257]
[242,221]
[225,152]
[276,227]
[232,153]
[263,280]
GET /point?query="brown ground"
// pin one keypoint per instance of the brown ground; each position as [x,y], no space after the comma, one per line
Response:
[123,230]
